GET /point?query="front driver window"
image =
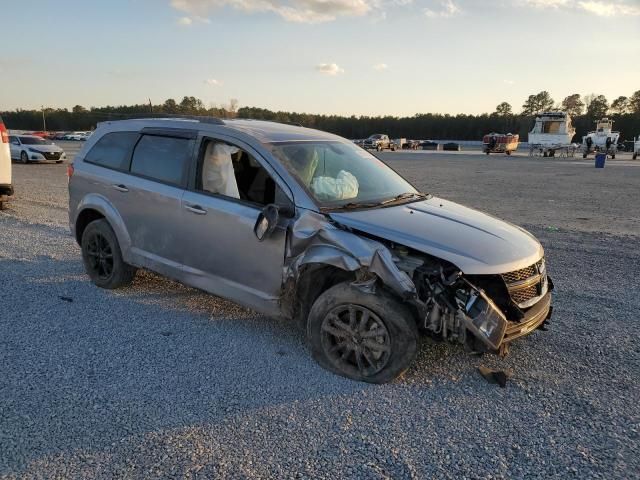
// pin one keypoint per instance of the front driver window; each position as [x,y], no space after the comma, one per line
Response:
[229,171]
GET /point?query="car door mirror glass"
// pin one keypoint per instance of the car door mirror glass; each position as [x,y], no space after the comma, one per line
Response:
[267,222]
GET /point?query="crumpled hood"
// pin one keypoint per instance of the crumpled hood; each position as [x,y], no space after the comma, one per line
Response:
[475,242]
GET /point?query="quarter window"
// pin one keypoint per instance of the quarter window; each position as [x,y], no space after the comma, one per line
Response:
[165,159]
[113,150]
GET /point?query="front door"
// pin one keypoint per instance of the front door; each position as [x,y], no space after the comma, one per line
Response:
[223,255]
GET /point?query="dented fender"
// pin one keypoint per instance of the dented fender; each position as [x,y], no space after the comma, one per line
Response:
[313,240]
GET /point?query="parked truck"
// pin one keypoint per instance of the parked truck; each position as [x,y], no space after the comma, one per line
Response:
[379,142]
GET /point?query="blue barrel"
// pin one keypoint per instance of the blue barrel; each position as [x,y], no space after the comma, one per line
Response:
[600,159]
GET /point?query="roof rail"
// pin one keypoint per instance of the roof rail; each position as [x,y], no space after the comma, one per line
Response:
[169,116]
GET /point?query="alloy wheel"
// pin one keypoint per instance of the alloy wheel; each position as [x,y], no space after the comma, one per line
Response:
[356,340]
[100,256]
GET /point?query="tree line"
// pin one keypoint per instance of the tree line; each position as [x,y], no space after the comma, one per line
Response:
[584,110]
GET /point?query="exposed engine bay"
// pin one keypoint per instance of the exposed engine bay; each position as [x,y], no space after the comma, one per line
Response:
[478,310]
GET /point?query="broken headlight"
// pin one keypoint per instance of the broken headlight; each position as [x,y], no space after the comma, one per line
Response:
[484,319]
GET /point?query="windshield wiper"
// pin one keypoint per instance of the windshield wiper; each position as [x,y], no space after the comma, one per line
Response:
[397,198]
[406,196]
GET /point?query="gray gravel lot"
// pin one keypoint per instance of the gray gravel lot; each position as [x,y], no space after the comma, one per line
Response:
[160,380]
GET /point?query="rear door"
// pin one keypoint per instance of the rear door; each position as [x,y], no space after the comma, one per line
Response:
[151,198]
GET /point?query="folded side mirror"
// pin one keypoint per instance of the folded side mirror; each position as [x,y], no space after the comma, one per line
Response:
[267,222]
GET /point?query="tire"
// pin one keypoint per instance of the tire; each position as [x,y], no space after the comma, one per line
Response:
[58,161]
[613,156]
[634,156]
[2,205]
[379,148]
[102,256]
[584,155]
[509,153]
[24,158]
[372,359]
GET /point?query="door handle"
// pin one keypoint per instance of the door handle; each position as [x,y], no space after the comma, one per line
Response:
[197,209]
[120,188]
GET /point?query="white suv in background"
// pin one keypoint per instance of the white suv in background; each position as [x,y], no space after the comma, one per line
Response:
[6,189]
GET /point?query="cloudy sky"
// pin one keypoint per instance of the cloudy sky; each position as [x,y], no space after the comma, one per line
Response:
[362,57]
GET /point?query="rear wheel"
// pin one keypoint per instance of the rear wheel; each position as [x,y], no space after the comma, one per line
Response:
[365,337]
[102,256]
[24,158]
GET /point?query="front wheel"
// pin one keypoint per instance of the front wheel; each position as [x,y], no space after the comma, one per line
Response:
[102,256]
[362,336]
[24,158]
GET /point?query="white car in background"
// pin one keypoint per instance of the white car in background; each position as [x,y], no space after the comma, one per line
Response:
[6,188]
[77,136]
[29,148]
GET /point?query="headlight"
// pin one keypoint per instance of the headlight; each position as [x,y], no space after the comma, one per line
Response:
[34,150]
[485,319]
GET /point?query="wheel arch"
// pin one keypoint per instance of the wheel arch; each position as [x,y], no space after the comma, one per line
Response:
[94,207]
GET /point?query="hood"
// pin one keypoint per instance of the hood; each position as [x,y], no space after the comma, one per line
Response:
[477,243]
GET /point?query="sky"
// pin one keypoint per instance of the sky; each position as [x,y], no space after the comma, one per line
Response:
[346,57]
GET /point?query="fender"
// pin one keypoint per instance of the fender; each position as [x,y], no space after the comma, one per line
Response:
[99,203]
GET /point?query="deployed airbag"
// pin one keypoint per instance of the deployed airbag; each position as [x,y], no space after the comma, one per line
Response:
[218,175]
[343,187]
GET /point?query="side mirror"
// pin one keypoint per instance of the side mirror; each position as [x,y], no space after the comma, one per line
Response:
[267,221]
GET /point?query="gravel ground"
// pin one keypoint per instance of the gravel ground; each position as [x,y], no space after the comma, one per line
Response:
[159,380]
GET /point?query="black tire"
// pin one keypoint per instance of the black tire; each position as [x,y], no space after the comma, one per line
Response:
[102,256]
[584,155]
[634,156]
[361,356]
[613,156]
[378,148]
[509,152]
[24,157]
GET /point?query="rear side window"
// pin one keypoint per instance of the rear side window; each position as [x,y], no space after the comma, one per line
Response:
[113,150]
[165,159]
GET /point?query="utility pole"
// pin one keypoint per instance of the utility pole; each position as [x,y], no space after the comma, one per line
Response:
[44,122]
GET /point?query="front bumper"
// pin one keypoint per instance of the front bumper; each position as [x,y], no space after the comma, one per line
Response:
[47,156]
[534,317]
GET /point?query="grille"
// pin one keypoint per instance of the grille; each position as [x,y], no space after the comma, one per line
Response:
[525,291]
[519,275]
[51,155]
[521,296]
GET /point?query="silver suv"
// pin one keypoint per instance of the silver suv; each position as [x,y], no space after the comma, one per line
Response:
[301,224]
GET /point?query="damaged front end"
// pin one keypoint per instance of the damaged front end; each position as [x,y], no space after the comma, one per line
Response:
[482,312]
[479,311]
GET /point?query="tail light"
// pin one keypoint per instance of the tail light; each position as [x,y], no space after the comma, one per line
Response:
[4,135]
[70,170]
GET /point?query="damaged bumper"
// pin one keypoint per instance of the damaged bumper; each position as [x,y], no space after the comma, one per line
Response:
[534,318]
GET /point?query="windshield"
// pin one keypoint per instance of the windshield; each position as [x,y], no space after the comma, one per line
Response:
[376,136]
[34,141]
[338,174]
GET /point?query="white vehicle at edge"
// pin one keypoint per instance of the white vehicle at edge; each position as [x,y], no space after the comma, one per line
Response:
[636,147]
[29,148]
[6,188]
